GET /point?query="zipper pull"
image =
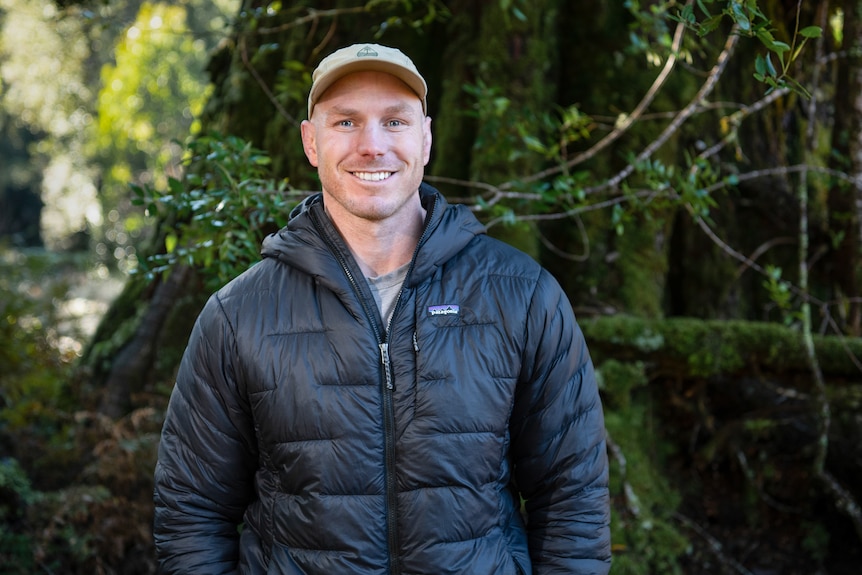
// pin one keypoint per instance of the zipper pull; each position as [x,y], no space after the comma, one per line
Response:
[387,367]
[415,342]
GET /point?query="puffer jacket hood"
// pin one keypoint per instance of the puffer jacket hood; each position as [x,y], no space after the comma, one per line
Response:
[343,446]
[299,244]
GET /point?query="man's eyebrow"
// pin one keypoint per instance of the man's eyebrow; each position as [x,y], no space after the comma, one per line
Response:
[342,111]
[399,109]
[395,109]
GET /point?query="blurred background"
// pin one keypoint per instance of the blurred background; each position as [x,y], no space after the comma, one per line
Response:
[691,172]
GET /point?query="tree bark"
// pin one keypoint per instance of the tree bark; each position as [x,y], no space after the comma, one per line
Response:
[845,199]
[132,369]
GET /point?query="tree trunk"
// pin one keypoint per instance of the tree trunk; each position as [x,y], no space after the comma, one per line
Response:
[845,198]
[132,368]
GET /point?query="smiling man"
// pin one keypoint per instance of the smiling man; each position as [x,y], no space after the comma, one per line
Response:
[381,392]
[370,139]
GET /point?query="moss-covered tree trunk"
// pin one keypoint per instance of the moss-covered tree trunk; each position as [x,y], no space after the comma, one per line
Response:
[499,66]
[845,198]
[602,270]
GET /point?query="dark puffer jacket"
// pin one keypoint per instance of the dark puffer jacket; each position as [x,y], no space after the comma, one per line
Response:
[344,448]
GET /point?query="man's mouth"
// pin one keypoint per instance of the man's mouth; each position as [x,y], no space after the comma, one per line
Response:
[372,176]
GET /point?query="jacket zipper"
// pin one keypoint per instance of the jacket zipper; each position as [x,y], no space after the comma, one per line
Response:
[389,421]
[389,446]
[388,386]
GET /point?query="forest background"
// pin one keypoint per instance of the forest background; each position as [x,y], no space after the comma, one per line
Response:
[691,172]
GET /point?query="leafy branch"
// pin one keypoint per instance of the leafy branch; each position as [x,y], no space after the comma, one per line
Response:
[220,210]
[750,21]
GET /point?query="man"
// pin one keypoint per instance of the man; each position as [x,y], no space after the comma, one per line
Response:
[380,392]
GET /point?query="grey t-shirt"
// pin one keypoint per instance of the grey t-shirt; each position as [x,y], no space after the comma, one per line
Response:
[385,289]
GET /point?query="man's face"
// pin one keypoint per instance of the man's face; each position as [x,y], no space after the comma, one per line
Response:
[370,142]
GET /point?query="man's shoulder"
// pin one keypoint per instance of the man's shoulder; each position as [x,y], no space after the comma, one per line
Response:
[258,278]
[499,255]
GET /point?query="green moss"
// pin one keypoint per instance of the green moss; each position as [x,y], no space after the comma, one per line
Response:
[117,325]
[617,380]
[707,348]
[631,353]
[642,268]
[645,537]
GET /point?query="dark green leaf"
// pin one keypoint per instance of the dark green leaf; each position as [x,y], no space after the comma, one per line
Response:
[811,32]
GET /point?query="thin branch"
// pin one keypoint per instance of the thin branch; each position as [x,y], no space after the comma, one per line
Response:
[784,171]
[735,120]
[622,125]
[750,264]
[686,113]
[568,213]
[714,544]
[564,254]
[630,498]
[767,498]
[693,107]
[463,183]
[837,329]
[762,249]
[263,86]
[811,355]
[844,501]
[314,16]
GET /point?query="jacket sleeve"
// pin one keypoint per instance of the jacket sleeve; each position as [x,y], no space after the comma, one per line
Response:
[558,443]
[207,456]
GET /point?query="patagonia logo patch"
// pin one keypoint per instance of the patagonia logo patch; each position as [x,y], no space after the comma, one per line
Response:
[445,309]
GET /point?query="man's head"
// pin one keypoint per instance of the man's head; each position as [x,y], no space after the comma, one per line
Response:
[368,134]
[365,58]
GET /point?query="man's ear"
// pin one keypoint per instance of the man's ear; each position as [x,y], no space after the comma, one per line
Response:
[426,136]
[308,142]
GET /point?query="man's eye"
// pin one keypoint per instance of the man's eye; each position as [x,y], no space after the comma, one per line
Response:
[345,123]
[394,123]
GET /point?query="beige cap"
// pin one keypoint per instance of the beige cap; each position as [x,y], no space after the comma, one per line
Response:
[362,58]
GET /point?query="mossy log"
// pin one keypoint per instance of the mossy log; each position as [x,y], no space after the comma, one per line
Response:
[719,425]
[703,348]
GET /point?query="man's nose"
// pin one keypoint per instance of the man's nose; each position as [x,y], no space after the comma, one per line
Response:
[372,140]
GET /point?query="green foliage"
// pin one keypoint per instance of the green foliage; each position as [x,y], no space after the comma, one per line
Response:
[782,296]
[32,366]
[61,476]
[816,541]
[91,523]
[68,530]
[292,83]
[645,537]
[414,15]
[152,95]
[649,33]
[220,211]
[752,22]
[492,109]
[16,494]
[398,13]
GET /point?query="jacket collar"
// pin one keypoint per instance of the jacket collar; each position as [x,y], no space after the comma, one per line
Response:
[311,244]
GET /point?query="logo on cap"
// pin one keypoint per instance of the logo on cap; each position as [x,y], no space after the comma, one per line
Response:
[367,51]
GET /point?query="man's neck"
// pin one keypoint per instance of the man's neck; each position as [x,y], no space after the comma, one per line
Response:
[381,247]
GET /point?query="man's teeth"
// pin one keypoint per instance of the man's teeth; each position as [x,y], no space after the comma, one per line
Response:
[372,176]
